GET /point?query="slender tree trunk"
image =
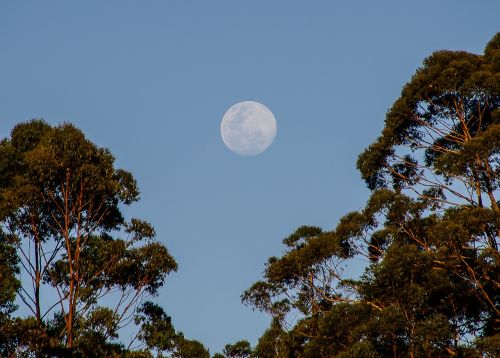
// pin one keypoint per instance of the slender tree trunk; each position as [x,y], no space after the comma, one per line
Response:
[70,315]
[37,279]
[489,175]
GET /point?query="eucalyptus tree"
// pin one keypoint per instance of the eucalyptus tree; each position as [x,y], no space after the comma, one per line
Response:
[428,234]
[441,144]
[157,335]
[240,349]
[84,268]
[442,135]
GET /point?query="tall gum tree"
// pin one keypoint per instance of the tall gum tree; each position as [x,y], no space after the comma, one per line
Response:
[441,144]
[429,233]
[60,205]
[442,135]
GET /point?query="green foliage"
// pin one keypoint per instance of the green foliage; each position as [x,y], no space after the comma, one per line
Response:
[271,343]
[489,346]
[157,330]
[240,349]
[9,268]
[448,118]
[158,334]
[428,234]
[189,349]
[60,221]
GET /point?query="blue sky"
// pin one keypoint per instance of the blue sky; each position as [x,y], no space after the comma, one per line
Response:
[151,80]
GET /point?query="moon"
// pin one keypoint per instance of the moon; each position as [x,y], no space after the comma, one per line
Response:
[248,128]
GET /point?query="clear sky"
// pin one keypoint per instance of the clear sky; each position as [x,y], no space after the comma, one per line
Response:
[151,80]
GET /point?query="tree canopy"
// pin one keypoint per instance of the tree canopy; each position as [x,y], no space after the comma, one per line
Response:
[428,234]
[86,269]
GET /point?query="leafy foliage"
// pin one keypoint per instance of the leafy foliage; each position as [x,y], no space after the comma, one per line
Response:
[428,234]
[240,349]
[158,334]
[87,268]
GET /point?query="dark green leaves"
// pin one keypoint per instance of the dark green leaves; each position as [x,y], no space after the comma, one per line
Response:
[61,201]
[427,237]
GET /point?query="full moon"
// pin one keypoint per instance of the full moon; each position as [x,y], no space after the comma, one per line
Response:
[248,128]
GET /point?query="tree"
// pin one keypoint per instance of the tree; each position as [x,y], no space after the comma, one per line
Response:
[272,343]
[158,334]
[429,233]
[441,143]
[61,219]
[240,349]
